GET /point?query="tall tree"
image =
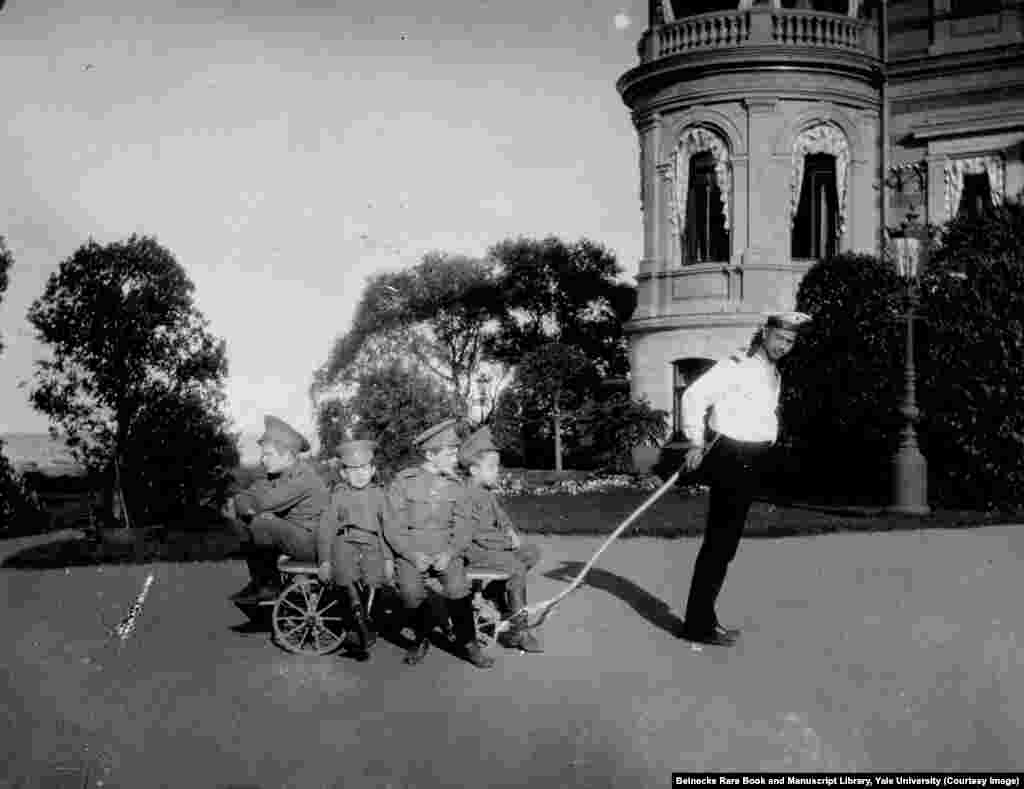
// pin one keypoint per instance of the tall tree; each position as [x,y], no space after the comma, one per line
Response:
[553,291]
[391,404]
[436,314]
[127,342]
[553,375]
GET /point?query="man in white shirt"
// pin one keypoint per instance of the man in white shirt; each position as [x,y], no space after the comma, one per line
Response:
[743,395]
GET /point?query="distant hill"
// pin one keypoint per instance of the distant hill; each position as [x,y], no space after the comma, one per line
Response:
[38,448]
[46,452]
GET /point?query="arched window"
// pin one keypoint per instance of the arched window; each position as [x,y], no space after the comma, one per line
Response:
[684,373]
[814,229]
[706,237]
[818,189]
[701,194]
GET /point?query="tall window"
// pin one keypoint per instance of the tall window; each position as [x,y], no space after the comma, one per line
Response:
[685,372]
[976,198]
[706,237]
[814,231]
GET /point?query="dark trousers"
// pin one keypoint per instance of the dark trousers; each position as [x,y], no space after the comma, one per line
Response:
[266,537]
[732,469]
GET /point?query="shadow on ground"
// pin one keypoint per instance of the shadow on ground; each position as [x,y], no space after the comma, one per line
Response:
[653,609]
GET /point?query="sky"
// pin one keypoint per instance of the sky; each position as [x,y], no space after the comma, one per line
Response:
[285,151]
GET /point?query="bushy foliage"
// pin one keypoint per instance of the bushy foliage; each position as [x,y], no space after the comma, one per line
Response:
[609,429]
[839,395]
[972,370]
[134,377]
[391,405]
[20,510]
[844,380]
[178,457]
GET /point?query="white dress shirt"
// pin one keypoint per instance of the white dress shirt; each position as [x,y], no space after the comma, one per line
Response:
[743,395]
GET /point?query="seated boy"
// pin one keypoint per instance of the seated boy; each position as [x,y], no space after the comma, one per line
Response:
[429,539]
[278,515]
[350,545]
[495,544]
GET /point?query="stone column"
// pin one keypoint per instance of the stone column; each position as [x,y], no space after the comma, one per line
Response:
[766,195]
[936,203]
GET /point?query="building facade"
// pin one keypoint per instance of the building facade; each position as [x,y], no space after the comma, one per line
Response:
[772,136]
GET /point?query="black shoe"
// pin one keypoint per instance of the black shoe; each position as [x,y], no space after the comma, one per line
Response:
[263,594]
[414,656]
[728,632]
[712,637]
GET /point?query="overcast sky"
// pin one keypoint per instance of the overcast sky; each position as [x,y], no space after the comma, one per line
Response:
[284,151]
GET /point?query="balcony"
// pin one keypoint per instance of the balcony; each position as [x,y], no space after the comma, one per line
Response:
[758,27]
[756,38]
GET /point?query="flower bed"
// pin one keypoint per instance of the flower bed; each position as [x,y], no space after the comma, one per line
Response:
[520,483]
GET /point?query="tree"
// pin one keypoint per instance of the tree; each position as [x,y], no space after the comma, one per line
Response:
[971,363]
[390,405]
[16,502]
[127,342]
[435,314]
[840,379]
[551,291]
[333,419]
[553,375]
[612,427]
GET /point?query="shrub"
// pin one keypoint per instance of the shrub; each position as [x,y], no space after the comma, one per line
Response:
[838,401]
[20,511]
[972,370]
[609,429]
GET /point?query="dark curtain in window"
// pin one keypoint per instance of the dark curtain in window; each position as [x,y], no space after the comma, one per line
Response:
[706,239]
[976,198]
[814,231]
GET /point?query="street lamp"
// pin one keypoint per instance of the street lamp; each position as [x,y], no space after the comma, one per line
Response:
[909,467]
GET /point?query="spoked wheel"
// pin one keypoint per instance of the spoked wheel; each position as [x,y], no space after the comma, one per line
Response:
[308,619]
[487,617]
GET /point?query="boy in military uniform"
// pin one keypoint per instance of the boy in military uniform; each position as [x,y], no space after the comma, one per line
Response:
[280,514]
[743,395]
[429,538]
[495,544]
[350,544]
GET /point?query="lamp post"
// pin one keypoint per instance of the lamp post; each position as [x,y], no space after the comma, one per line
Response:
[909,467]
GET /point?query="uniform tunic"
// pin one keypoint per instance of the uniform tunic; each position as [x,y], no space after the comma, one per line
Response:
[283,514]
[422,516]
[297,495]
[492,546]
[422,519]
[351,534]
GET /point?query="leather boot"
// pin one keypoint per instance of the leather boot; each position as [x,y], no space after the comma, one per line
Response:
[364,638]
[266,580]
[465,632]
[518,636]
[422,624]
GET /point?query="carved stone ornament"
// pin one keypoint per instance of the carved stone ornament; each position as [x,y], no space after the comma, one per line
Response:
[698,140]
[956,169]
[823,138]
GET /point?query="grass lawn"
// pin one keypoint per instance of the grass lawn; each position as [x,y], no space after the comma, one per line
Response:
[592,514]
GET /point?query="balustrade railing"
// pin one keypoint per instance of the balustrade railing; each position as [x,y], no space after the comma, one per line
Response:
[760,26]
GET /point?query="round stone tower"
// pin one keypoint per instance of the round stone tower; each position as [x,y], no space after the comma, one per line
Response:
[759,130]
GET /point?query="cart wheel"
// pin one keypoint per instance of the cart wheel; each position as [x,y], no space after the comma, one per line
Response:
[308,619]
[487,617]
